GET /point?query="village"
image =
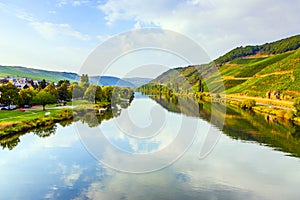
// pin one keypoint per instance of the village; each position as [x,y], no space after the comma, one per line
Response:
[23,83]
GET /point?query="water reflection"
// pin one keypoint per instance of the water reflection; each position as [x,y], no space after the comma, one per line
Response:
[57,166]
[91,117]
[241,124]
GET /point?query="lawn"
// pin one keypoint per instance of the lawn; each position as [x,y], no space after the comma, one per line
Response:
[18,116]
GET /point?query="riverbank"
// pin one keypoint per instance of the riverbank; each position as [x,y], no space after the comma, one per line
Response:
[16,121]
[24,120]
[278,108]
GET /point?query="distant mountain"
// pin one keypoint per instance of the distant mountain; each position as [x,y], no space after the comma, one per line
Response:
[137,82]
[38,74]
[274,66]
[110,80]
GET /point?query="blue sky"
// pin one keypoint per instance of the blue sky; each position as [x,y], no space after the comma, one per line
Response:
[60,34]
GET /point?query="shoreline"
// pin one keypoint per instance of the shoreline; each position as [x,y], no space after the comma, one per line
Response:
[270,108]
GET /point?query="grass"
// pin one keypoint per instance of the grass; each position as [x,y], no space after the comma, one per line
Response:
[250,69]
[246,60]
[17,116]
[15,121]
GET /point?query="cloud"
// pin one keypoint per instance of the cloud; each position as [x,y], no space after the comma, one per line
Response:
[51,30]
[218,25]
[76,3]
[46,29]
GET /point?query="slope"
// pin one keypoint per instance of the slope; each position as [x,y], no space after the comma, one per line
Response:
[252,75]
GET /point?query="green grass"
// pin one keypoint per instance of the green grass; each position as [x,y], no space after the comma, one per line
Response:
[292,62]
[246,60]
[17,116]
[249,70]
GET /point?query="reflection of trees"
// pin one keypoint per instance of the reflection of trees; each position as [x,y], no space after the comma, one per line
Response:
[93,118]
[45,131]
[240,124]
[10,142]
[65,123]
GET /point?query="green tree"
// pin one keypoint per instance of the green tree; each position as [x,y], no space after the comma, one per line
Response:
[25,96]
[84,81]
[77,91]
[63,93]
[43,98]
[51,88]
[98,95]
[248,104]
[107,92]
[9,94]
[42,84]
[89,94]
[93,93]
[60,82]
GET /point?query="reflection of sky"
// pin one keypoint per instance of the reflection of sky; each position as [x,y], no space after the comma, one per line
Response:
[140,115]
[59,167]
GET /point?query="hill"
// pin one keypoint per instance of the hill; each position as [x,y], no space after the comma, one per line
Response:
[274,66]
[38,74]
[277,47]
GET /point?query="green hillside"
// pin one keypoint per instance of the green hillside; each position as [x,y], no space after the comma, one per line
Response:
[253,75]
[36,74]
[277,47]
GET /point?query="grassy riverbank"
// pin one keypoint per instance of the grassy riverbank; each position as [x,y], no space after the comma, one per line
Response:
[15,121]
[278,108]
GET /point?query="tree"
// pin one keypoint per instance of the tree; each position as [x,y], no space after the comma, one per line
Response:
[26,95]
[93,93]
[98,95]
[9,94]
[63,93]
[51,88]
[77,91]
[42,84]
[248,104]
[43,98]
[107,92]
[60,82]
[84,81]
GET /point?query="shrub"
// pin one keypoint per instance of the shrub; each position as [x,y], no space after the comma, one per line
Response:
[297,106]
[289,115]
[248,104]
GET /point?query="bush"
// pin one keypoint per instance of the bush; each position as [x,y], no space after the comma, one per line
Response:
[248,104]
[297,106]
[289,115]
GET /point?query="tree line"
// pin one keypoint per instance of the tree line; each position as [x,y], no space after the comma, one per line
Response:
[62,92]
[277,47]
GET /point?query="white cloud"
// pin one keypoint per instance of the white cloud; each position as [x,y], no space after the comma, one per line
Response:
[48,30]
[51,30]
[218,25]
[63,3]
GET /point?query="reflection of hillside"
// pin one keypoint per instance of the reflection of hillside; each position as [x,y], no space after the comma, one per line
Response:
[239,124]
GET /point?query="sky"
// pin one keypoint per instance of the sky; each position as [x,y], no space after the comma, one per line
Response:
[61,34]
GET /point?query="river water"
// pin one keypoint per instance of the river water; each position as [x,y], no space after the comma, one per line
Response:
[157,148]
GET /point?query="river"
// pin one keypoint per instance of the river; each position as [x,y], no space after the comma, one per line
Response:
[157,148]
